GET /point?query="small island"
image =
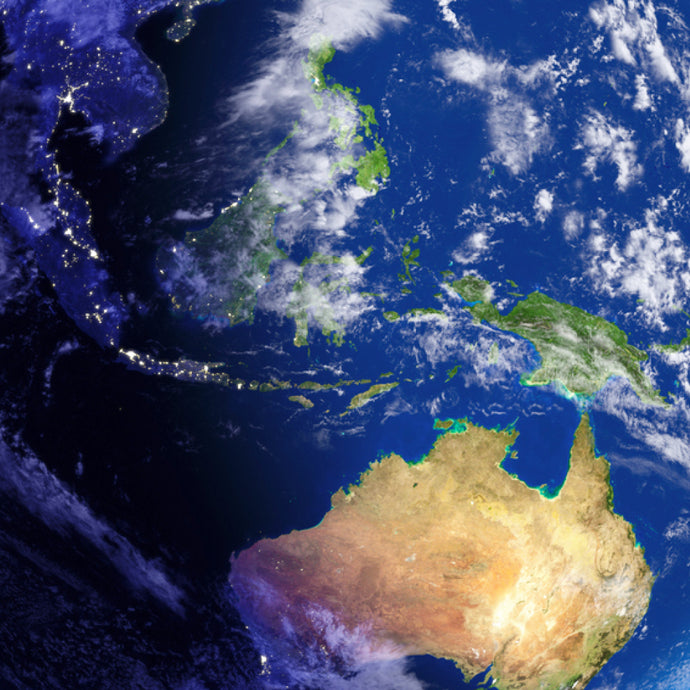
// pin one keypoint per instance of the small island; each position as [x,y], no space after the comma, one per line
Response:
[454,557]
[365,396]
[302,400]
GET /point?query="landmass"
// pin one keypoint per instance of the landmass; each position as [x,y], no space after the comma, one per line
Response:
[302,400]
[323,279]
[455,558]
[364,397]
[212,372]
[182,369]
[577,349]
[409,260]
[350,127]
[309,298]
[676,347]
[415,313]
[186,22]
[78,65]
[218,271]
[492,357]
[473,289]
[452,372]
[418,312]
[444,424]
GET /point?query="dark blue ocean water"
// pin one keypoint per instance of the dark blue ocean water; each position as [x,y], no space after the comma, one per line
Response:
[227,468]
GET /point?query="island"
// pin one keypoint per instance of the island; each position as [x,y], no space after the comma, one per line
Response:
[577,349]
[377,389]
[676,347]
[302,400]
[351,123]
[218,272]
[454,557]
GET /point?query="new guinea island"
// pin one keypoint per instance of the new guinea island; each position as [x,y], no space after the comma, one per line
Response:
[454,557]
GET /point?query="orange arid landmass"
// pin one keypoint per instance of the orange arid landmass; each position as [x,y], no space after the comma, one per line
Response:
[456,558]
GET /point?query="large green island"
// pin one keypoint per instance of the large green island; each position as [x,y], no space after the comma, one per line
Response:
[577,349]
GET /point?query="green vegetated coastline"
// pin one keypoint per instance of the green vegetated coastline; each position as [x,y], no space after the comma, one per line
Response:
[676,347]
[364,397]
[218,271]
[577,349]
[371,165]
[299,391]
[233,257]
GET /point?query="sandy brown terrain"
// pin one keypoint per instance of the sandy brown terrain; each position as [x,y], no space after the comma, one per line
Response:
[456,558]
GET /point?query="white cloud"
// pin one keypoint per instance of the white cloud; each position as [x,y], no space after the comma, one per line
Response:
[632,28]
[12,281]
[652,260]
[488,358]
[309,176]
[328,294]
[662,430]
[501,217]
[448,14]
[327,217]
[543,204]
[652,265]
[678,529]
[26,478]
[278,87]
[494,359]
[471,68]
[389,674]
[572,225]
[344,23]
[605,141]
[683,144]
[517,131]
[280,96]
[548,71]
[620,47]
[475,246]
[186,215]
[365,660]
[642,99]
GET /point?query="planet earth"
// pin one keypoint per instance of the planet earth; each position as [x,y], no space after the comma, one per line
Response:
[344,345]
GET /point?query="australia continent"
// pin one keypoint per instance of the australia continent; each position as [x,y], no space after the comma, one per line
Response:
[454,557]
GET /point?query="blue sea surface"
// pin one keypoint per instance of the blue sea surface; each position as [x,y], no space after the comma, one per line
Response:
[188,473]
[650,500]
[270,467]
[442,674]
[543,446]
